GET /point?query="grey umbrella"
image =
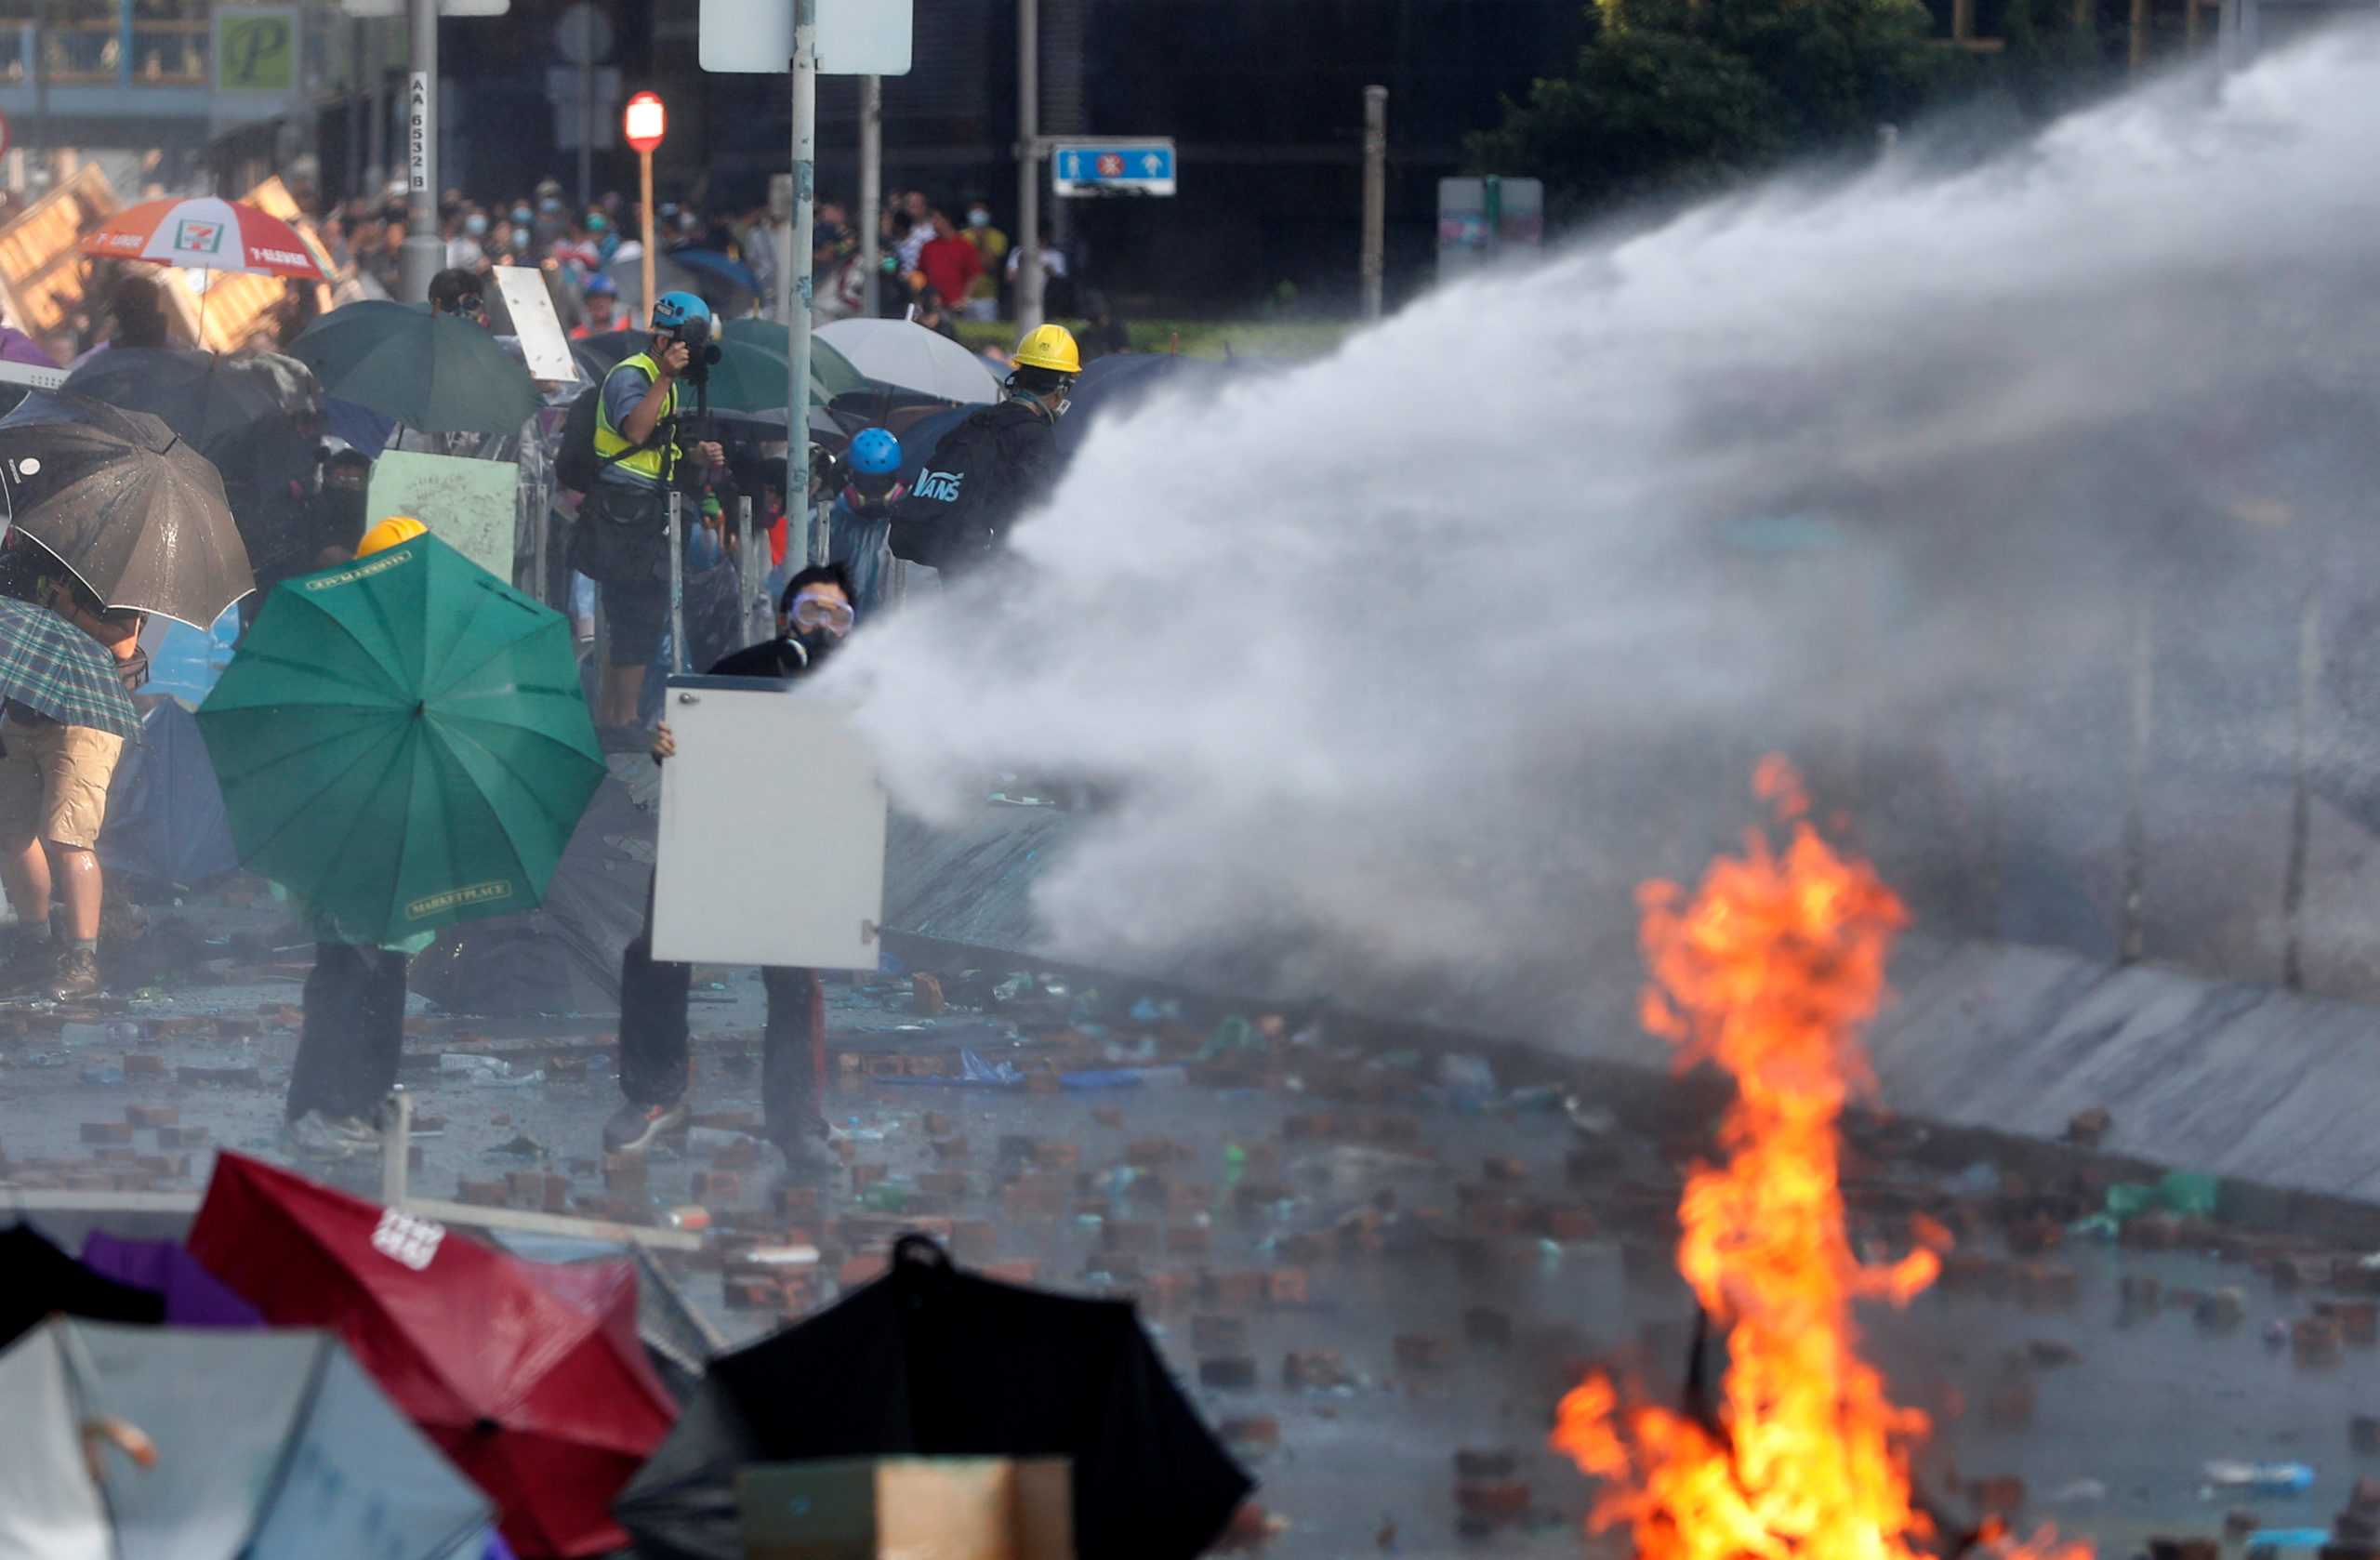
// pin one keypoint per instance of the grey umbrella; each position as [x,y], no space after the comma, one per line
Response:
[136,513]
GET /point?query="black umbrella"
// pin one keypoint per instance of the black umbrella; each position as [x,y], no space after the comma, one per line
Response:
[1111,384]
[928,1361]
[137,514]
[563,956]
[241,413]
[37,1278]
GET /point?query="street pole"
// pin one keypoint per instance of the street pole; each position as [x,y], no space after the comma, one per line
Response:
[2238,25]
[644,198]
[871,188]
[585,127]
[1375,196]
[424,250]
[1028,166]
[797,284]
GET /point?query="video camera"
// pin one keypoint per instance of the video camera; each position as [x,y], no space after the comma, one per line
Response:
[701,351]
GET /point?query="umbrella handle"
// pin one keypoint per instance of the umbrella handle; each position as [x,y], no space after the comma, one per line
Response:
[103,1431]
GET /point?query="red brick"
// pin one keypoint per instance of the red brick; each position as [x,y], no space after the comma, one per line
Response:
[1285,1286]
[1185,1240]
[716,1185]
[1417,1352]
[107,1132]
[151,1116]
[1017,1270]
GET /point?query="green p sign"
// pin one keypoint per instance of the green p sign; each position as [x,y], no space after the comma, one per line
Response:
[256,50]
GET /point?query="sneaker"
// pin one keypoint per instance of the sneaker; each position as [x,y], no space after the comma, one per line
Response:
[633,1126]
[76,975]
[317,1136]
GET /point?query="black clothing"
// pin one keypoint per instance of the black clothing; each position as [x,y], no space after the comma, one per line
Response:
[621,542]
[981,475]
[353,1034]
[775,659]
[41,1278]
[653,994]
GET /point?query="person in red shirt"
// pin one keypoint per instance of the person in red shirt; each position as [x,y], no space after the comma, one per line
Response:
[948,260]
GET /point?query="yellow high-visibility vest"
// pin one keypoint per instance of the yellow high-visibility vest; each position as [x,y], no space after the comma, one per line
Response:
[658,461]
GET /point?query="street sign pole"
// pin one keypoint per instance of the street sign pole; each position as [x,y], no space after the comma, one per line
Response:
[1375,197]
[871,190]
[798,282]
[425,248]
[1028,166]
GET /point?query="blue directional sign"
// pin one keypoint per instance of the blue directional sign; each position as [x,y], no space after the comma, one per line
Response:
[1141,166]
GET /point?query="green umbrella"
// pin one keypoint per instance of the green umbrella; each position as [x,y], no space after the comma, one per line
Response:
[403,740]
[431,371]
[831,374]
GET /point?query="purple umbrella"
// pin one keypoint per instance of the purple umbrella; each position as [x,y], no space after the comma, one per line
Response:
[17,347]
[194,1296]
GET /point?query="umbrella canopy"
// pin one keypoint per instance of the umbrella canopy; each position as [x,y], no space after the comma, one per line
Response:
[17,347]
[50,665]
[529,1376]
[193,1297]
[166,822]
[913,357]
[267,1446]
[1121,380]
[934,1362]
[405,742]
[138,515]
[37,1278]
[564,957]
[242,414]
[831,374]
[431,371]
[711,264]
[204,233]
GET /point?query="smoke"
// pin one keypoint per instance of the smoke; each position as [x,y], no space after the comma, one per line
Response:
[1401,669]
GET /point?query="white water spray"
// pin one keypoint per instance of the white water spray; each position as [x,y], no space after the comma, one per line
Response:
[1406,664]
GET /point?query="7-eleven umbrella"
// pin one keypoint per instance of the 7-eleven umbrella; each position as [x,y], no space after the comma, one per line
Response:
[204,233]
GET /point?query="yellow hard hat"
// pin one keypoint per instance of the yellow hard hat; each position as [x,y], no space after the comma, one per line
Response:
[1050,347]
[395,531]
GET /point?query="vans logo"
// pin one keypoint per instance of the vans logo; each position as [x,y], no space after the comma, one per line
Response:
[940,486]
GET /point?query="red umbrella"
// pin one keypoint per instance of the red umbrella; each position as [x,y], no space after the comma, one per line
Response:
[204,233]
[528,1375]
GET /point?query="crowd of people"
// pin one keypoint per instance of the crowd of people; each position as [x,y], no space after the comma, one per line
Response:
[609,513]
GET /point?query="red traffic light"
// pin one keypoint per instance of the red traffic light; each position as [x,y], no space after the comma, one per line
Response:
[646,122]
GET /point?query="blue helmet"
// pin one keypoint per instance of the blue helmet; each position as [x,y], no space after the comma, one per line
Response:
[672,310]
[875,451]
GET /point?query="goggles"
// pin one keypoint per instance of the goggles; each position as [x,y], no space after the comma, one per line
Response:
[812,609]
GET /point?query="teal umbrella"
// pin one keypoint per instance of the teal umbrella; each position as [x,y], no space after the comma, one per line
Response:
[402,741]
[831,374]
[431,371]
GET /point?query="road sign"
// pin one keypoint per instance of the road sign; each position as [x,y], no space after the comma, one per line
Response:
[562,83]
[583,36]
[1141,167]
[855,37]
[646,122]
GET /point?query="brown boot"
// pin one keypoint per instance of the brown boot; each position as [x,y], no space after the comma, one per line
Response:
[77,975]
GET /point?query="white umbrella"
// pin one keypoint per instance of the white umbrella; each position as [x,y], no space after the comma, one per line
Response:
[908,355]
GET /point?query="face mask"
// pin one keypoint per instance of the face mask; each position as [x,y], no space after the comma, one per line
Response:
[520,238]
[979,219]
[817,643]
[475,225]
[521,213]
[550,204]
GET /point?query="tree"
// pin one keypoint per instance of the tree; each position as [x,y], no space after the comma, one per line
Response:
[1680,94]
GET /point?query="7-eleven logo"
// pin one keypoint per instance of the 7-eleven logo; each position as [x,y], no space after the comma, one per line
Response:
[192,236]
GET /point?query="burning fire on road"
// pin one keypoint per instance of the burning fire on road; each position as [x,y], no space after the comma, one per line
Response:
[1769,971]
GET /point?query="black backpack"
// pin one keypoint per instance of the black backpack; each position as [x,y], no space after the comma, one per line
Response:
[577,465]
[945,519]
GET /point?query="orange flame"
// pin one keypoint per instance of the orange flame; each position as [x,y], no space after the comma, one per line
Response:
[1769,971]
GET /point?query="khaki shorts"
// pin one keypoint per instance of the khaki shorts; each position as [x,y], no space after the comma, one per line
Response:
[54,782]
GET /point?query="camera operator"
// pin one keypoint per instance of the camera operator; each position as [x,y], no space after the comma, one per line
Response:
[622,539]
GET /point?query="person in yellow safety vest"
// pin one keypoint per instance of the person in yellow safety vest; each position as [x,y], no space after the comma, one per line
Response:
[621,541]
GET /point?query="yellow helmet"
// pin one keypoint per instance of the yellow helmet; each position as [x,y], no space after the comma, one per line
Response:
[395,531]
[1050,347]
